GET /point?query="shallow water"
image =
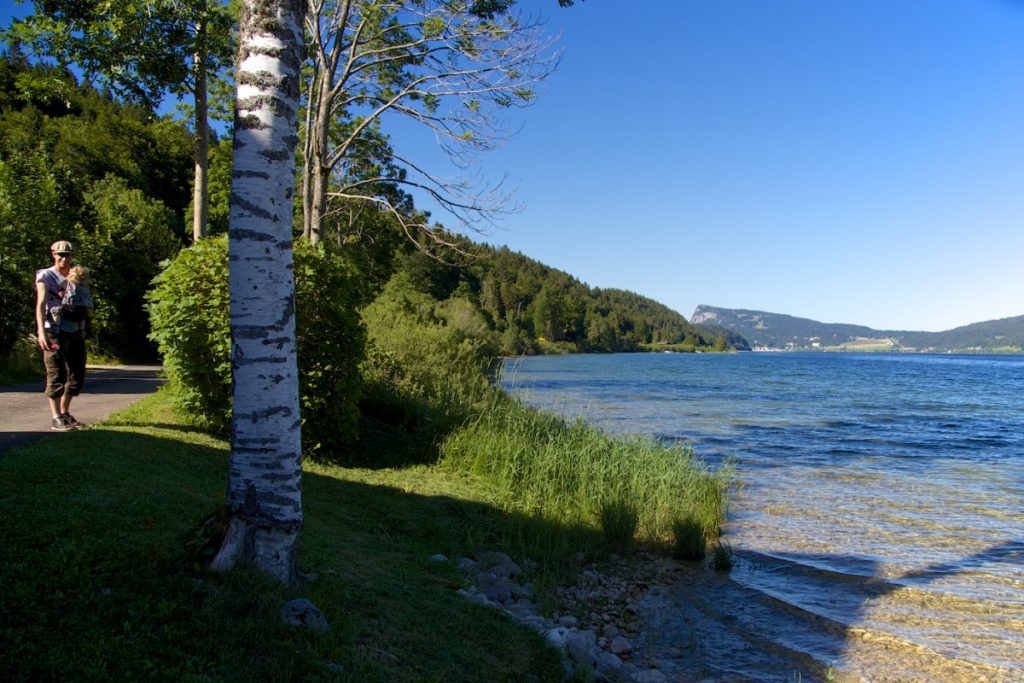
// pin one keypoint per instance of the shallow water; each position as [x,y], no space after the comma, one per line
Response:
[879,528]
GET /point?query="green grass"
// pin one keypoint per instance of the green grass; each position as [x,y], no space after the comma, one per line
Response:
[101,579]
[24,364]
[568,473]
[689,539]
[103,571]
[722,559]
[619,521]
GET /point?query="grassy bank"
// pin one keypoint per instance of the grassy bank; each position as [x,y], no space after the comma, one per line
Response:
[576,476]
[102,575]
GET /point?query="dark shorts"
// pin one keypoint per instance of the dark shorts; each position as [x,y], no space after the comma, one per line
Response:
[65,365]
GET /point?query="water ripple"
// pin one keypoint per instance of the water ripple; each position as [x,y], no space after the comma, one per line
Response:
[882,492]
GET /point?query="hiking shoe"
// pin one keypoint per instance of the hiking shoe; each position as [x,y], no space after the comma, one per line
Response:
[70,421]
[60,424]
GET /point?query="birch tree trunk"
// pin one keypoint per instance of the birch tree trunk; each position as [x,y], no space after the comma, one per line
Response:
[202,142]
[264,478]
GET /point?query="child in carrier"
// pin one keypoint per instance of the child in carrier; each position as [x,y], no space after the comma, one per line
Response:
[73,314]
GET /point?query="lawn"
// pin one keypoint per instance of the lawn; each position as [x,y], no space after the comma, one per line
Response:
[102,575]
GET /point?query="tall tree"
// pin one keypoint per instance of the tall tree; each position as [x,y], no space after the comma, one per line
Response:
[450,66]
[265,472]
[141,49]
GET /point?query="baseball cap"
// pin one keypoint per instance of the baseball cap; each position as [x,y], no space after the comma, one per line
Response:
[62,247]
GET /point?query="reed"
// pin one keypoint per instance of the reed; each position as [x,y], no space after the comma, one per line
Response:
[721,558]
[619,521]
[572,472]
[689,539]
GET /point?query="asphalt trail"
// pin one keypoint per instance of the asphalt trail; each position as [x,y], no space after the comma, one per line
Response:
[25,416]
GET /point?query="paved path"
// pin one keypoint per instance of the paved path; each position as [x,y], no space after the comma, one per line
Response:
[25,416]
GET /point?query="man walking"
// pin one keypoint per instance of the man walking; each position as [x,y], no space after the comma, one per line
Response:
[62,341]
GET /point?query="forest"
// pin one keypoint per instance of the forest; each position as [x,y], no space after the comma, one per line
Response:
[115,178]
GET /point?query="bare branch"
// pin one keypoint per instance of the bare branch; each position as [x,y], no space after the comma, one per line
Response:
[433,62]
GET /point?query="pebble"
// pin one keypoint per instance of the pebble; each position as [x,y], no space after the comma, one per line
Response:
[303,613]
[620,646]
[594,646]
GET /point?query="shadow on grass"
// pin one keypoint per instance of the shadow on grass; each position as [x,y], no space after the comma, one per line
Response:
[99,579]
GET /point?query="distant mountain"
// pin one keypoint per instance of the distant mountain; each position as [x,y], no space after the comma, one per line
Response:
[777,331]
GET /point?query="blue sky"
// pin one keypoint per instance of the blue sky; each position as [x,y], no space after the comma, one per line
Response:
[857,161]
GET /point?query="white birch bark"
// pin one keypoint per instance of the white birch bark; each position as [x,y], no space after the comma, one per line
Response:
[200,184]
[264,479]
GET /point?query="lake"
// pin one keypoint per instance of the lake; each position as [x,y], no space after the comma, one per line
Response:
[879,521]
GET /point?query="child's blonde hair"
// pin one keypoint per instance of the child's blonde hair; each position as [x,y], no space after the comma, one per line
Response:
[79,275]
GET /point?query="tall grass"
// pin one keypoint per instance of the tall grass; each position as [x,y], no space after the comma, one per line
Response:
[23,364]
[569,472]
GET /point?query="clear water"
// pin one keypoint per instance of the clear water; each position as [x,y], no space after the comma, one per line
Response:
[879,526]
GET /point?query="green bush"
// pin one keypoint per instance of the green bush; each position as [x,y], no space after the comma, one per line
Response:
[429,362]
[127,236]
[23,363]
[33,214]
[189,315]
[189,312]
[331,345]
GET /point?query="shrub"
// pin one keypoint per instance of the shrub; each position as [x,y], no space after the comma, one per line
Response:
[189,315]
[128,236]
[429,362]
[189,311]
[34,212]
[23,363]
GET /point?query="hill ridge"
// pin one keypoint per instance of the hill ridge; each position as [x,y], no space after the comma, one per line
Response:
[779,331]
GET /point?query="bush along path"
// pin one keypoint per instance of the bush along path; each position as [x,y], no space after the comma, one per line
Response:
[596,619]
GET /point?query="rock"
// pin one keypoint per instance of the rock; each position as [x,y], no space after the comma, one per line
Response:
[467,565]
[537,624]
[477,598]
[438,558]
[497,588]
[556,636]
[303,613]
[606,665]
[520,592]
[499,564]
[596,653]
[579,645]
[620,646]
[520,612]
